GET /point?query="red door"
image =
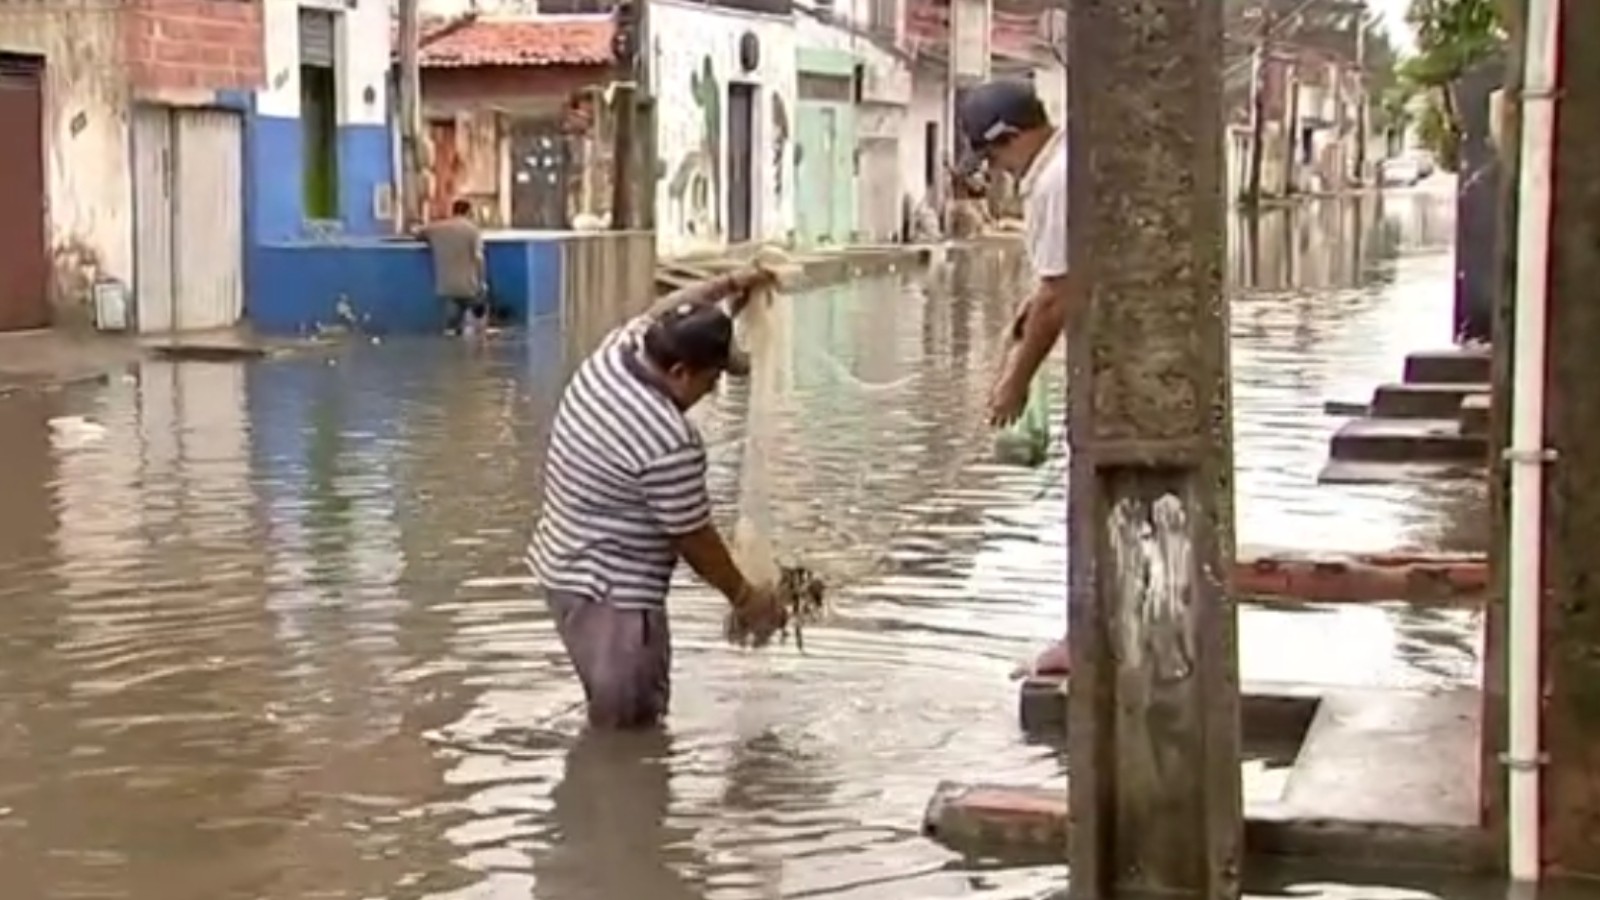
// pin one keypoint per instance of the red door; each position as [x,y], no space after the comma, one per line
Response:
[24,256]
[446,171]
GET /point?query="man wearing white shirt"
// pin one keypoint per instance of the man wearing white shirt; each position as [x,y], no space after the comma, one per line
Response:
[1007,126]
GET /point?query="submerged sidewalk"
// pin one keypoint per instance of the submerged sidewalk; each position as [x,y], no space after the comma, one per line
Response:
[49,357]
[55,357]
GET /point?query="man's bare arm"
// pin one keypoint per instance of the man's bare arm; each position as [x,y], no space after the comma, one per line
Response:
[1053,303]
[705,552]
[711,290]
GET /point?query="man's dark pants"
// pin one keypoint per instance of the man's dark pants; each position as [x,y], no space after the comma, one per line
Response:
[462,307]
[623,657]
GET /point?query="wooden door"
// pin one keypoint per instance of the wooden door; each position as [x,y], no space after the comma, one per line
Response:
[25,274]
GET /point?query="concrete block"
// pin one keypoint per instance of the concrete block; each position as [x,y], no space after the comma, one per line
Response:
[1269,715]
[1382,778]
[1019,825]
[1474,415]
[1460,365]
[1407,441]
[1420,400]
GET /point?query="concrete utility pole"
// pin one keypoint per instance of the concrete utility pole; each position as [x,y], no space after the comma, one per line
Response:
[1364,110]
[410,103]
[629,49]
[1258,111]
[1154,708]
[1571,713]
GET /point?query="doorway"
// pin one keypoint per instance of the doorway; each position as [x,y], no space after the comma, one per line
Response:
[741,161]
[25,274]
[541,166]
[188,221]
[319,115]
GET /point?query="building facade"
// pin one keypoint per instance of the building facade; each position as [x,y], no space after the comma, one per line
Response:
[516,117]
[77,77]
[725,83]
[320,144]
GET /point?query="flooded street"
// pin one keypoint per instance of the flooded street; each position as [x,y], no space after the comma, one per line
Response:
[266,633]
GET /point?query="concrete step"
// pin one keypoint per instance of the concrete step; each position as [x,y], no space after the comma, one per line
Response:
[1269,715]
[1409,758]
[1381,778]
[1345,471]
[1461,365]
[1406,441]
[1422,400]
[1474,415]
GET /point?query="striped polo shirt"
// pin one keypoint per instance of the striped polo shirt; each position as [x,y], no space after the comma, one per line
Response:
[624,474]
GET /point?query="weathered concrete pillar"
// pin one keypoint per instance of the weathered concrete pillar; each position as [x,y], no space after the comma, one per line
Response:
[1571,790]
[1154,740]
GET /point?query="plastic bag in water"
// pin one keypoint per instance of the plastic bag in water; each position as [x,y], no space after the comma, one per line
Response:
[1026,442]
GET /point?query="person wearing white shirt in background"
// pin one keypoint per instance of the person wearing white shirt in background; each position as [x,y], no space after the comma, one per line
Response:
[1007,127]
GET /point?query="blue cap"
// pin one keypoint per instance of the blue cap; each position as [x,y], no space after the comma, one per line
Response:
[995,110]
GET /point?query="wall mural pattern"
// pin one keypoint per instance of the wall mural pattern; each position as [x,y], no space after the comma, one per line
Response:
[780,144]
[695,55]
[696,180]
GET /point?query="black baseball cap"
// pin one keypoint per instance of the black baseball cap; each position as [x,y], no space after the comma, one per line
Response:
[992,112]
[697,335]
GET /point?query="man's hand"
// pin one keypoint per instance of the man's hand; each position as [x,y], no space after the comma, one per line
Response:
[1008,396]
[746,281]
[757,614]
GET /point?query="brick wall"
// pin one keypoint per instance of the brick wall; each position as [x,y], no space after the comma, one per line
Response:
[193,44]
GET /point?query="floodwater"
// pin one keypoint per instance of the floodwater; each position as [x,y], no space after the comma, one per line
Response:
[266,635]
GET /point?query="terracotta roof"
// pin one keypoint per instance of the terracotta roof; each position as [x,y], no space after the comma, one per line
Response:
[518,42]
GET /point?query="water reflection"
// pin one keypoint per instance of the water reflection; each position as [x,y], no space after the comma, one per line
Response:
[1336,243]
[267,633]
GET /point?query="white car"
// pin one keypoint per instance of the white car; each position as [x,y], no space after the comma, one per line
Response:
[1400,172]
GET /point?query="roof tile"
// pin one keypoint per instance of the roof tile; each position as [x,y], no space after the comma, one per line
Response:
[519,42]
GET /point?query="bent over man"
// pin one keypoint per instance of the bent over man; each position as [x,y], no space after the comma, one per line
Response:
[625,498]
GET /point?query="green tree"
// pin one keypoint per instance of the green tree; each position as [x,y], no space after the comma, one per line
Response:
[1452,37]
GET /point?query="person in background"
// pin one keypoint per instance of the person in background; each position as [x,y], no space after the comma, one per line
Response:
[625,499]
[1007,127]
[968,209]
[456,245]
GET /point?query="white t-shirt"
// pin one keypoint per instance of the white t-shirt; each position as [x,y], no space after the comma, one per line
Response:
[1044,191]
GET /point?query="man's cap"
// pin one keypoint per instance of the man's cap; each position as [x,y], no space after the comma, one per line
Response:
[698,335]
[996,109]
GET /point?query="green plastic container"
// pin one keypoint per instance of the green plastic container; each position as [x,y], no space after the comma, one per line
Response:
[1026,442]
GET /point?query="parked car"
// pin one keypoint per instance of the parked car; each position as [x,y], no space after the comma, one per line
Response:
[1400,171]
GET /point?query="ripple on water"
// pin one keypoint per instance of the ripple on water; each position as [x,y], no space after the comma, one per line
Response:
[267,635]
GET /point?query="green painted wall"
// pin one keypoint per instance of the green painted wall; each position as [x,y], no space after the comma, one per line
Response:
[825,176]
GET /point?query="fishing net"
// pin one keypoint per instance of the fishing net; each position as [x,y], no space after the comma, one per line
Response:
[762,334]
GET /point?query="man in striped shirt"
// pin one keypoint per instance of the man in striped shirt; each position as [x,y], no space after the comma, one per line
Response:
[625,498]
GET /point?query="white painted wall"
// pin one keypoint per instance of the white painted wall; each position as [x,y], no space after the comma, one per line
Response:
[928,95]
[362,42]
[685,36]
[87,180]
[1050,82]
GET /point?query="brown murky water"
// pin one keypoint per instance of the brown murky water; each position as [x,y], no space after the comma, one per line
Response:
[265,633]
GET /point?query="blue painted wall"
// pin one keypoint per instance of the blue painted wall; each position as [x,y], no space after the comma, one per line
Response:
[387,286]
[276,167]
